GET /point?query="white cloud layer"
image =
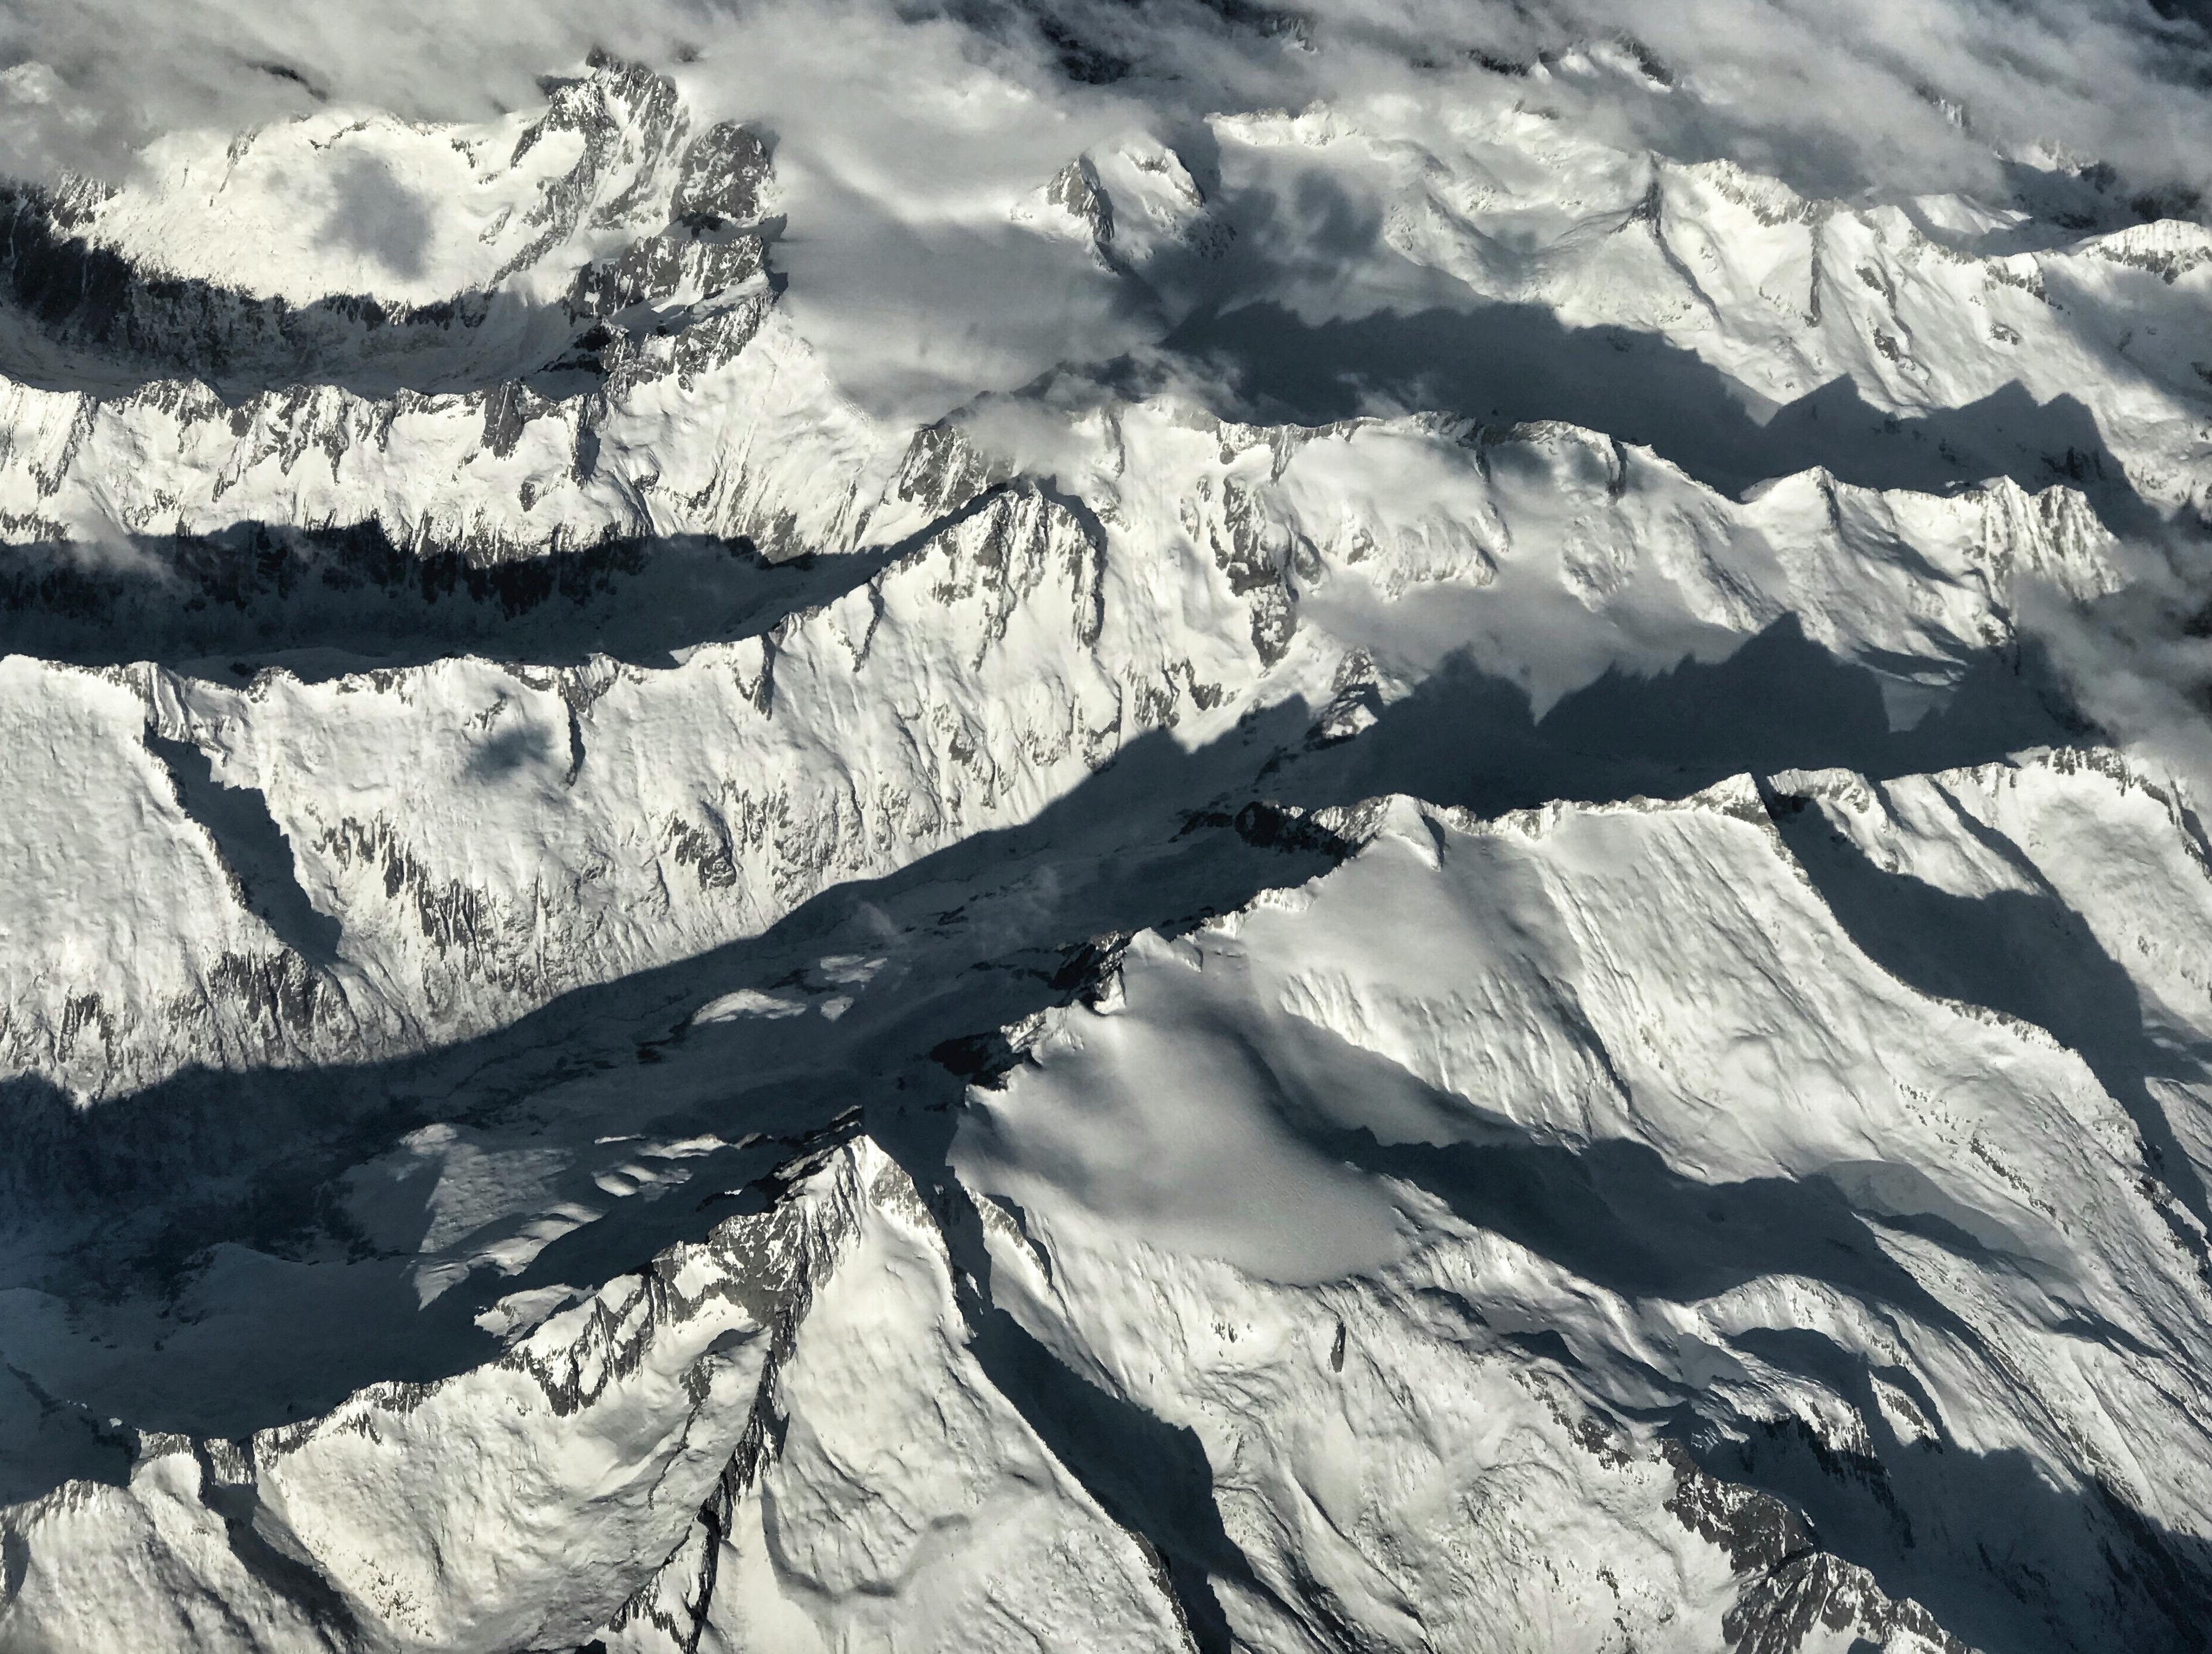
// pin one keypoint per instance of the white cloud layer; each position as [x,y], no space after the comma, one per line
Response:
[119,72]
[1837,95]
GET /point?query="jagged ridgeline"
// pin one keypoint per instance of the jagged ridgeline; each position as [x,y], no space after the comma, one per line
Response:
[109,351]
[1428,940]
[85,316]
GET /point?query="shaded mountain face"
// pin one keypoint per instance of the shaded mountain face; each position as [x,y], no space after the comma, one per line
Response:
[1188,877]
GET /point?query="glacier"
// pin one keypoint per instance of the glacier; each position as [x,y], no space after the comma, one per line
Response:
[1016,827]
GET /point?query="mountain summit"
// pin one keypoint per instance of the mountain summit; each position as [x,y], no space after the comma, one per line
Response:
[1106,828]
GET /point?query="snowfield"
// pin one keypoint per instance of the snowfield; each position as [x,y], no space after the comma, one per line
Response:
[1385,875]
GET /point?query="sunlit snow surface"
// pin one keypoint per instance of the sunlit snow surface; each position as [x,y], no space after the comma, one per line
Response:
[956,862]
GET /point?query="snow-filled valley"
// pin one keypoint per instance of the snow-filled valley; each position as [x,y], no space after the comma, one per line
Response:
[1003,853]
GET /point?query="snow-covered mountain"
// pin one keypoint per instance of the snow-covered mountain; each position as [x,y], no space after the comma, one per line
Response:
[1058,861]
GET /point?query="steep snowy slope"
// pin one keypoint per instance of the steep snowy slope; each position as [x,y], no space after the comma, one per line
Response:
[627,813]
[1083,865]
[1610,1112]
[1403,1251]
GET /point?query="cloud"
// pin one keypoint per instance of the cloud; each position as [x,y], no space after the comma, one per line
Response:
[902,140]
[2137,664]
[904,128]
[111,75]
[1860,94]
[373,213]
[1837,96]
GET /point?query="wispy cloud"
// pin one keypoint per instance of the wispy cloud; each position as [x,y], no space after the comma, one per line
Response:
[1838,94]
[116,73]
